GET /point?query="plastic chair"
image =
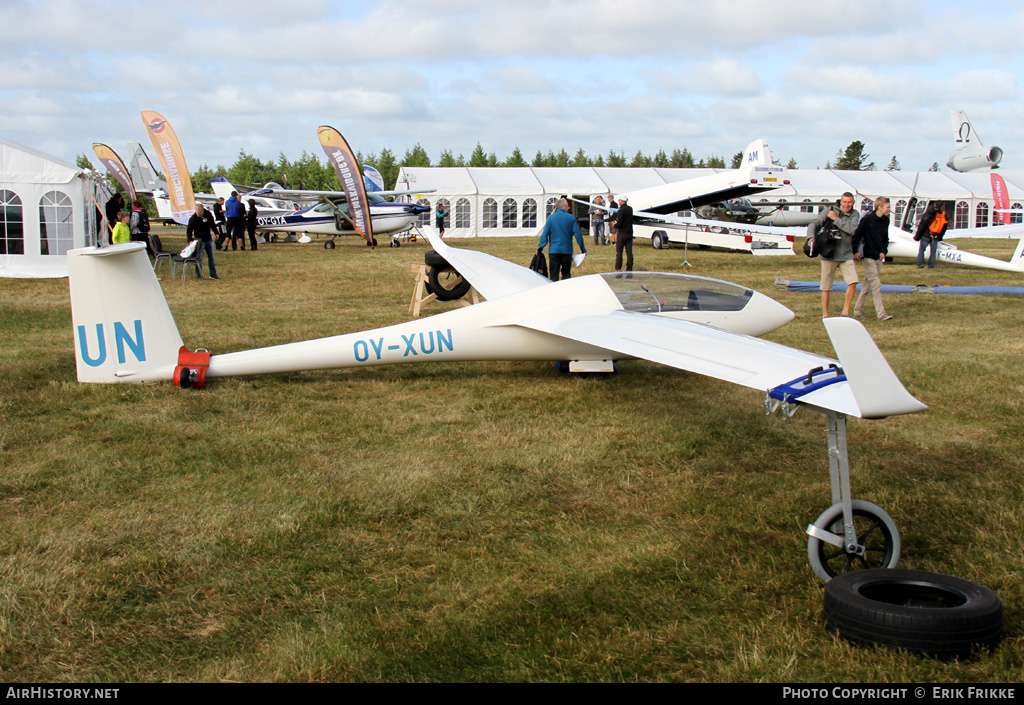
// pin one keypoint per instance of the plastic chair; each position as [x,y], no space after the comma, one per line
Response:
[160,255]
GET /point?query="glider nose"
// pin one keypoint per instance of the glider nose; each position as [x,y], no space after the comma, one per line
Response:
[767,314]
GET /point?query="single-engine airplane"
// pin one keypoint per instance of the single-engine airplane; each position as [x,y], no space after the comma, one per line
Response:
[329,213]
[124,332]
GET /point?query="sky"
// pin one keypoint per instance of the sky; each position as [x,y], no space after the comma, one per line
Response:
[808,76]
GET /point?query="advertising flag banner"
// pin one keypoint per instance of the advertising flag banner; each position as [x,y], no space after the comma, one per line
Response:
[343,159]
[374,181]
[1001,198]
[115,166]
[168,152]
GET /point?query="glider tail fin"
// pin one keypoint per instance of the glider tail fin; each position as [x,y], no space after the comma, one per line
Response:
[876,388]
[1017,261]
[122,326]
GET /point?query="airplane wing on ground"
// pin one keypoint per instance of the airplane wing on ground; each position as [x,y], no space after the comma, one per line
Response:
[646,217]
[649,217]
[492,276]
[867,389]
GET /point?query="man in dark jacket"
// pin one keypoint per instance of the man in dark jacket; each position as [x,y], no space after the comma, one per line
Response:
[871,244]
[929,239]
[201,227]
[624,234]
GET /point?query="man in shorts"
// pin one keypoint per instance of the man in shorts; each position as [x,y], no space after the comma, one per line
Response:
[845,221]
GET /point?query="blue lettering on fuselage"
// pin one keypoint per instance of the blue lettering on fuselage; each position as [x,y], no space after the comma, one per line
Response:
[413,345]
[122,338]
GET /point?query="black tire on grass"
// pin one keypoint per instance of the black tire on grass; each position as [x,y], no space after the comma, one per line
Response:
[914,610]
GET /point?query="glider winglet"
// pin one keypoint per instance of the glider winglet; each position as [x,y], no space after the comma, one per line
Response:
[876,389]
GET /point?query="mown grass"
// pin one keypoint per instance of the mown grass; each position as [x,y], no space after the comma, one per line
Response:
[479,521]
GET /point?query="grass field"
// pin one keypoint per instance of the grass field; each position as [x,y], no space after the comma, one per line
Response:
[481,521]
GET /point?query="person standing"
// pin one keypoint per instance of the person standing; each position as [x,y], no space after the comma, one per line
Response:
[235,212]
[121,232]
[138,224]
[113,206]
[870,245]
[441,214]
[222,226]
[845,221]
[201,227]
[597,221]
[624,234]
[929,232]
[560,228]
[250,223]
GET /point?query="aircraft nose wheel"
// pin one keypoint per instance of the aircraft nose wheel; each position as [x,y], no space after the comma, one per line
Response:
[329,245]
[875,542]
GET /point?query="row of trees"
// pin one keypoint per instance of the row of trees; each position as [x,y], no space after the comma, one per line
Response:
[310,171]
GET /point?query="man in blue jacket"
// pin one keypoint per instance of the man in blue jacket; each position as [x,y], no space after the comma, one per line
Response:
[561,227]
[235,212]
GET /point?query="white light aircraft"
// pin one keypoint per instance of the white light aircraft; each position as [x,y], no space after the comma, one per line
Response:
[970,155]
[329,216]
[124,332]
[653,208]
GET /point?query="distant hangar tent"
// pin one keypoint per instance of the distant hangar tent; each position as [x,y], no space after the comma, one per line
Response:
[46,209]
[515,201]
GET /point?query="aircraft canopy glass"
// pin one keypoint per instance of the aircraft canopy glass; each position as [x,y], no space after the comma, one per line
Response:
[656,292]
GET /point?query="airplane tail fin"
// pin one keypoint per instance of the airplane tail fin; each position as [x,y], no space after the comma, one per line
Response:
[963,131]
[876,389]
[122,326]
[1018,257]
[757,154]
[222,187]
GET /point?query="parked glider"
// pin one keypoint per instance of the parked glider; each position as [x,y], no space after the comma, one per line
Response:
[656,210]
[902,244]
[124,332]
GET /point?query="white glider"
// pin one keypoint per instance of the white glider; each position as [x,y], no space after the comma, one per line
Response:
[124,332]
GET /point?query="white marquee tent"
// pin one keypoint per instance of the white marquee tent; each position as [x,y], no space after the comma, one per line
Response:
[46,208]
[498,201]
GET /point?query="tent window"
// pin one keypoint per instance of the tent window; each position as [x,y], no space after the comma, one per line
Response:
[981,216]
[509,211]
[55,213]
[490,213]
[462,213]
[424,218]
[897,212]
[961,217]
[549,207]
[529,213]
[12,235]
[867,205]
[810,209]
[1016,217]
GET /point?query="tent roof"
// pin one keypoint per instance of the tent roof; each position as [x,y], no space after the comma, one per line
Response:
[578,180]
[23,165]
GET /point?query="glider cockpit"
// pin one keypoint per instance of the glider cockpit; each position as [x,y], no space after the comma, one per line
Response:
[660,292]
